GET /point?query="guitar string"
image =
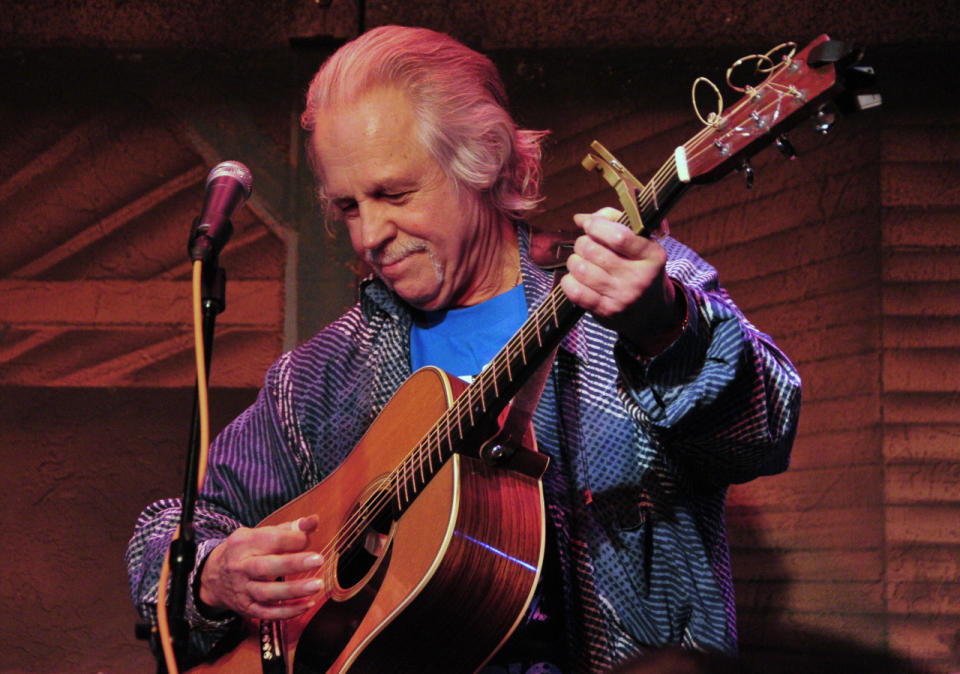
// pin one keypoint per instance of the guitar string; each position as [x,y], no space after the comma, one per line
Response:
[668,172]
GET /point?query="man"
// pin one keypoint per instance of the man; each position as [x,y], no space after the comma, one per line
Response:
[658,399]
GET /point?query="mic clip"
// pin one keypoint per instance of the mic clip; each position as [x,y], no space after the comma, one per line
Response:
[200,245]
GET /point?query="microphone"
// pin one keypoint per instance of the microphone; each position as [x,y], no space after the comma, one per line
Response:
[229,184]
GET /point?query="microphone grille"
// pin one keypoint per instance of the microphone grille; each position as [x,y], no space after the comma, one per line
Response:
[233,169]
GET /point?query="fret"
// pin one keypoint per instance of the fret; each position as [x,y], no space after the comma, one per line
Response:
[396,486]
[404,476]
[423,477]
[468,395]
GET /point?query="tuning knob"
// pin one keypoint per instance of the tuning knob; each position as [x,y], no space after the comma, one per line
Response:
[786,148]
[824,120]
[747,170]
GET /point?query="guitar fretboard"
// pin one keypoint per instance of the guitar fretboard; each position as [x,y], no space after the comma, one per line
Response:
[472,414]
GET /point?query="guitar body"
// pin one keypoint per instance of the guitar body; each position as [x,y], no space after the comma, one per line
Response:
[438,590]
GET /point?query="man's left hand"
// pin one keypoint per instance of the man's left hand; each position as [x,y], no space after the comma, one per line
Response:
[621,279]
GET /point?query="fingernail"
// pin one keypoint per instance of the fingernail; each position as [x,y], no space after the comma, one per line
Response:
[314,585]
[315,560]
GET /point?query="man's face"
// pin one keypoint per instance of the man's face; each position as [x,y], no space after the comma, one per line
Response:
[406,218]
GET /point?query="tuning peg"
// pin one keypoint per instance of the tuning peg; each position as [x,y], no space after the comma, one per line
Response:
[747,170]
[786,148]
[825,119]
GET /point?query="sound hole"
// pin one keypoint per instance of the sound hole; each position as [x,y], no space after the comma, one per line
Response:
[374,524]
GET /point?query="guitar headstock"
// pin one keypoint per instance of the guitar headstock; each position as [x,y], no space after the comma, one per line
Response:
[798,86]
[819,81]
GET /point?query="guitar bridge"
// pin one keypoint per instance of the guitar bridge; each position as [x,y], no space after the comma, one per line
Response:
[271,647]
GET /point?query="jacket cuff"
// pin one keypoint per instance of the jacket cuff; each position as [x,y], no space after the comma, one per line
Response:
[649,379]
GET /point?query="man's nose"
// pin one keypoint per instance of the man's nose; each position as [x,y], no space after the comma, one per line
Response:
[376,225]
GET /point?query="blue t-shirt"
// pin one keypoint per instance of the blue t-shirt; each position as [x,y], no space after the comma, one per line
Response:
[463,341]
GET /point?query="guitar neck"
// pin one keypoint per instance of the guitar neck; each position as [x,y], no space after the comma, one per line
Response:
[471,419]
[657,197]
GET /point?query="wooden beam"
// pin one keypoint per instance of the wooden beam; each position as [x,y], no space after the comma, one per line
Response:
[106,304]
[9,352]
[45,162]
[117,371]
[96,232]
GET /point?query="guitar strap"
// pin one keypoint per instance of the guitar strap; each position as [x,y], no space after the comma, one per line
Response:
[516,429]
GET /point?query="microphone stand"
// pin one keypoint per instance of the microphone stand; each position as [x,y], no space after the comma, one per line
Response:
[183,549]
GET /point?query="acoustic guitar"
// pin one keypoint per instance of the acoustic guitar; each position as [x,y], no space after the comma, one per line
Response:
[433,527]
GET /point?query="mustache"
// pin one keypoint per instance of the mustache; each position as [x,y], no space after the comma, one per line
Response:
[393,253]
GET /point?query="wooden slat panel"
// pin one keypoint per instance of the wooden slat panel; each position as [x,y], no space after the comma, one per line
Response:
[928,331]
[841,376]
[815,278]
[116,303]
[927,482]
[923,184]
[809,633]
[913,266]
[927,524]
[926,442]
[97,231]
[920,143]
[836,448]
[815,530]
[921,408]
[913,598]
[835,487]
[795,249]
[921,370]
[826,342]
[843,414]
[859,564]
[809,596]
[931,639]
[936,564]
[912,227]
[857,305]
[922,299]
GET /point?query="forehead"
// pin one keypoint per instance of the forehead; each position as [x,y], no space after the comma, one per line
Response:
[374,135]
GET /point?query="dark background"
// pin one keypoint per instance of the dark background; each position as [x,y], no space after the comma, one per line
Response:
[113,112]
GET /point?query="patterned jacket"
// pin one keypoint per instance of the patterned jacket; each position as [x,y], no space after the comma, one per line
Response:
[642,453]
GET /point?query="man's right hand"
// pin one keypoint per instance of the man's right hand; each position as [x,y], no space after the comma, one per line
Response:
[241,573]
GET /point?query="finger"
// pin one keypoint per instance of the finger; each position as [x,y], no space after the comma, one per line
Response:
[606,213]
[270,567]
[599,261]
[279,611]
[590,268]
[612,235]
[580,294]
[304,524]
[286,537]
[275,592]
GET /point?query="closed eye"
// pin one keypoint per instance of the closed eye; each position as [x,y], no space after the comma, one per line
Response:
[345,206]
[396,197]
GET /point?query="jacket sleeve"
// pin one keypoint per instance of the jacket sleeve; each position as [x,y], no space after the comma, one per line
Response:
[722,399]
[252,469]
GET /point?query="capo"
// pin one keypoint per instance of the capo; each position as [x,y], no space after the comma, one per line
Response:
[627,186]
